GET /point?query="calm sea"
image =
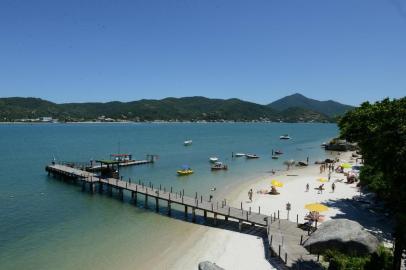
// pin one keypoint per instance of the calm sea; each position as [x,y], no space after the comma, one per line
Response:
[48,224]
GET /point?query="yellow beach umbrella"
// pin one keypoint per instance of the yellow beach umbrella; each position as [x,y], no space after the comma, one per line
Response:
[276,183]
[318,207]
[346,165]
[323,180]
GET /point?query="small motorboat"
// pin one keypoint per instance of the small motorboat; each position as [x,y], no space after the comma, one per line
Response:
[275,157]
[239,155]
[251,156]
[285,137]
[187,142]
[213,159]
[218,166]
[186,170]
[278,152]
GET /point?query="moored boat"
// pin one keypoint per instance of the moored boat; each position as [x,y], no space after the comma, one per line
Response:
[278,152]
[186,170]
[218,166]
[239,155]
[187,142]
[213,159]
[251,156]
[275,157]
[285,137]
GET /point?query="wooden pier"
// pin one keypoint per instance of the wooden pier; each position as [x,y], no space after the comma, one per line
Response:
[284,238]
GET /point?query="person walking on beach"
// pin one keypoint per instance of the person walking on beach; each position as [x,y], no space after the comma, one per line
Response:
[333,187]
[321,169]
[329,176]
[250,194]
[307,187]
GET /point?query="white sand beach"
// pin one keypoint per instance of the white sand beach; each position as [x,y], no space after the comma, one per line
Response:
[233,250]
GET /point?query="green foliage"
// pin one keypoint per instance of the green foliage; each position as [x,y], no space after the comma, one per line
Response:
[381,260]
[340,261]
[380,131]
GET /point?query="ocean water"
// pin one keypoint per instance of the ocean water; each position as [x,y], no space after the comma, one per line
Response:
[48,224]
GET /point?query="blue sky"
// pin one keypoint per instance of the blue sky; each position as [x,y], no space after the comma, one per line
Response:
[66,51]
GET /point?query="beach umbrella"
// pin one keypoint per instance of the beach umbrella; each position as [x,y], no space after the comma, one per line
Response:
[276,183]
[318,207]
[346,165]
[322,179]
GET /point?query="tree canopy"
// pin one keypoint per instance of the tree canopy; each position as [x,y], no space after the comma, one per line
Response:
[380,131]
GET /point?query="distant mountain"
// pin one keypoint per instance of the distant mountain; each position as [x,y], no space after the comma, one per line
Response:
[329,108]
[168,109]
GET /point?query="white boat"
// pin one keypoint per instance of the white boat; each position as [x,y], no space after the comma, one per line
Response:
[285,137]
[213,159]
[251,156]
[187,142]
[239,155]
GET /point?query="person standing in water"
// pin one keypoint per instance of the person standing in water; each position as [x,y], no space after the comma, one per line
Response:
[307,187]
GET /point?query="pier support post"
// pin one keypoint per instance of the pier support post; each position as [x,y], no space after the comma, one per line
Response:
[146,201]
[121,193]
[205,214]
[193,214]
[215,219]
[100,187]
[92,187]
[110,190]
[156,204]
[185,211]
[169,209]
[135,197]
[240,225]
[83,186]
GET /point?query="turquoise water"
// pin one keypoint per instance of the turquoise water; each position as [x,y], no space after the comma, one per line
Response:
[48,224]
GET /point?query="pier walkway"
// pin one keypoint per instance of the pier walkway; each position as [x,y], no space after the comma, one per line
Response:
[284,237]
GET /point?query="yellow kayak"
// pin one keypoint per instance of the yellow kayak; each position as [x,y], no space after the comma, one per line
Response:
[184,172]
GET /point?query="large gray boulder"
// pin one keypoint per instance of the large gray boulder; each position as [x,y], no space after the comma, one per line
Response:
[206,265]
[343,235]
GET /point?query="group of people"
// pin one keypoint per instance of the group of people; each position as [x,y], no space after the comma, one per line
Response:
[327,166]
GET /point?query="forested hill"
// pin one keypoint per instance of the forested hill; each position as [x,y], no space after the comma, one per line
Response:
[168,109]
[330,108]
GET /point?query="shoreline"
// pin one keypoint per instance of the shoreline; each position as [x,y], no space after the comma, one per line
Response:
[233,250]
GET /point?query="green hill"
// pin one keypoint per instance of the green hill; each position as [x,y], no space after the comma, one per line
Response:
[330,108]
[168,109]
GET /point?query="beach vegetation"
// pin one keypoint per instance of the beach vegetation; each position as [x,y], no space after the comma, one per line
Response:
[380,131]
[379,260]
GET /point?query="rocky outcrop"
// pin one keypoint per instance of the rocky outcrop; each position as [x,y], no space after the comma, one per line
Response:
[343,235]
[206,265]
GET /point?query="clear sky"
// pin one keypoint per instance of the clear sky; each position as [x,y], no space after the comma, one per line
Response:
[66,51]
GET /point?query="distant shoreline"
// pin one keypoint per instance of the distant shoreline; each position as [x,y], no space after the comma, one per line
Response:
[162,122]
